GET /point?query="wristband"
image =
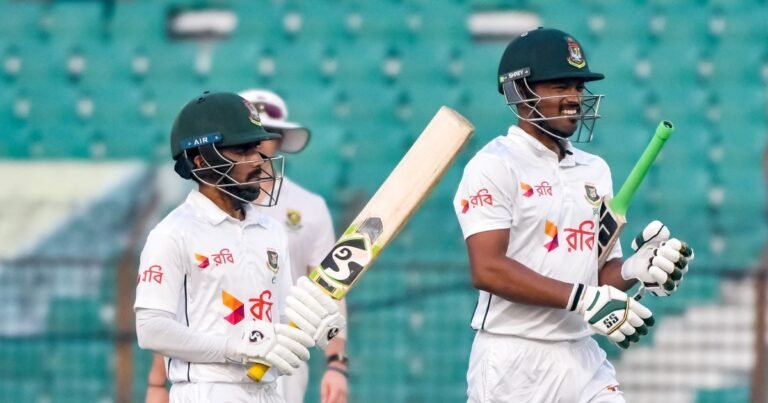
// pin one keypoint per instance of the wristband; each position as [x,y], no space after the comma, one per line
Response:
[573,300]
[340,358]
[339,370]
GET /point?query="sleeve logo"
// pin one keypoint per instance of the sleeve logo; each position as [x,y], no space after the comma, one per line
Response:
[482,198]
[153,274]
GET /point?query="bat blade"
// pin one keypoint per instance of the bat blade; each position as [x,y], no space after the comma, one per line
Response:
[392,205]
[406,187]
[613,211]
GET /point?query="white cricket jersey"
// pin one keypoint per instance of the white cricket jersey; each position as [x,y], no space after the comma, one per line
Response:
[551,210]
[308,223]
[215,273]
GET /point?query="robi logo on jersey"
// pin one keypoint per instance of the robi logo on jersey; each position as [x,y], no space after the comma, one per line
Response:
[260,308]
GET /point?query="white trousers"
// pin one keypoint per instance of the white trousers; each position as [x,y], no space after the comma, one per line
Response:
[292,388]
[510,369]
[225,393]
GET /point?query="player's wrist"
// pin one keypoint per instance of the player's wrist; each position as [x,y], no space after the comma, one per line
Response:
[577,294]
[337,359]
[338,369]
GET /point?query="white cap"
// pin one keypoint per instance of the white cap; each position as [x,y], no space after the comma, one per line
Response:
[274,117]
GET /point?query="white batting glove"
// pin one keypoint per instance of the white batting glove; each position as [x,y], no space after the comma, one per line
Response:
[659,262]
[314,312]
[612,313]
[280,346]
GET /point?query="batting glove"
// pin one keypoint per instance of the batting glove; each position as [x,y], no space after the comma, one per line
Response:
[314,312]
[659,262]
[280,346]
[612,313]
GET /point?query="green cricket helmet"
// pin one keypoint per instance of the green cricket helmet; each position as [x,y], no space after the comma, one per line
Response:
[546,54]
[218,120]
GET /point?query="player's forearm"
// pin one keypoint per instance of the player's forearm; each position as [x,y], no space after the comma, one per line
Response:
[515,282]
[156,330]
[335,347]
[156,375]
[610,274]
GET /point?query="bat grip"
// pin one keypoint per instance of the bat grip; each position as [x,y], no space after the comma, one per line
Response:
[257,371]
[640,292]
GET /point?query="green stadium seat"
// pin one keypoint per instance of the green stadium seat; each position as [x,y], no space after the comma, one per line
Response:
[75,316]
[257,23]
[137,22]
[608,21]
[740,21]
[361,62]
[25,23]
[381,19]
[75,22]
[172,62]
[738,60]
[726,394]
[22,390]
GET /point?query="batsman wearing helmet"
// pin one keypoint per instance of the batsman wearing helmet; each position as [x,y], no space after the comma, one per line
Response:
[214,290]
[527,205]
[307,221]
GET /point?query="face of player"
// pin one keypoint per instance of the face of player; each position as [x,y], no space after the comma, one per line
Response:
[251,167]
[561,100]
[269,147]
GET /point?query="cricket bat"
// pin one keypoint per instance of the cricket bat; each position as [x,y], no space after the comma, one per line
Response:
[613,211]
[392,205]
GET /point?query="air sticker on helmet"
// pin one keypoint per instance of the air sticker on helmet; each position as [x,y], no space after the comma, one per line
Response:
[575,57]
[194,142]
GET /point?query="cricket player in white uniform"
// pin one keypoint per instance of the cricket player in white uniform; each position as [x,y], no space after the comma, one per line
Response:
[309,226]
[214,291]
[308,223]
[527,205]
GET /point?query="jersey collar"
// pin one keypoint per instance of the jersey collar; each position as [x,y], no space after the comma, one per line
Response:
[572,156]
[214,215]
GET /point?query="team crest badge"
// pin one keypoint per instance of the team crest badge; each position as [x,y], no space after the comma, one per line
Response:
[272,260]
[575,57]
[253,114]
[293,219]
[591,194]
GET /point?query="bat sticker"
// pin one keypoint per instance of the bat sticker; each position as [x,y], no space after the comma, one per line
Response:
[348,259]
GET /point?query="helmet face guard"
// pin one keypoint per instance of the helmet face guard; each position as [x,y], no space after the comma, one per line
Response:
[262,188]
[517,91]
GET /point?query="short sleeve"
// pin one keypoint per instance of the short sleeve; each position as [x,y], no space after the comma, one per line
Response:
[161,274]
[483,201]
[324,238]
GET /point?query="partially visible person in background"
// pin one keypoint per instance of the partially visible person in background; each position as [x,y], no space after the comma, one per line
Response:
[307,220]
[216,251]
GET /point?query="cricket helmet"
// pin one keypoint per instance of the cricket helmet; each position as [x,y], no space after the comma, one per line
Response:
[218,120]
[546,54]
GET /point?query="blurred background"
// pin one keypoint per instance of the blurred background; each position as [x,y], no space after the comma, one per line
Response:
[90,88]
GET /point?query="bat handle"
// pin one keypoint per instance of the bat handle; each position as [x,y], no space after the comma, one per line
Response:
[257,371]
[640,292]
